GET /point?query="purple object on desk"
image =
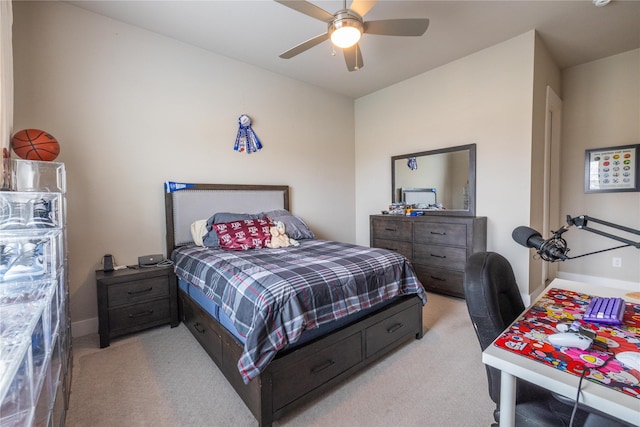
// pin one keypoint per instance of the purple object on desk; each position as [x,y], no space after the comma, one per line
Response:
[605,310]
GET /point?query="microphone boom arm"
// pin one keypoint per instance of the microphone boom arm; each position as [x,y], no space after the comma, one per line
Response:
[582,221]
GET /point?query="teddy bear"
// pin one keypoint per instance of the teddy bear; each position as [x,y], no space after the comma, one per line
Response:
[279,238]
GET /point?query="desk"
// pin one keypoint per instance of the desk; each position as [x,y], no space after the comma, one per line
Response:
[515,366]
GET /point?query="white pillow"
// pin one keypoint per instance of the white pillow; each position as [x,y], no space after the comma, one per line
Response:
[198,231]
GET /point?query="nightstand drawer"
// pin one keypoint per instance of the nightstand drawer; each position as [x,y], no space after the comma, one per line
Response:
[139,315]
[440,256]
[441,233]
[391,229]
[403,248]
[138,291]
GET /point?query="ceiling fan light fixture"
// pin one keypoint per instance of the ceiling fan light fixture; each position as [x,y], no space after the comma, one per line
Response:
[345,30]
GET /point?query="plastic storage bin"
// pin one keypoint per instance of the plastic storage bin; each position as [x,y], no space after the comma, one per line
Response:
[35,339]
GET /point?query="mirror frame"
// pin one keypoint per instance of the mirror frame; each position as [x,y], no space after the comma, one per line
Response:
[472,177]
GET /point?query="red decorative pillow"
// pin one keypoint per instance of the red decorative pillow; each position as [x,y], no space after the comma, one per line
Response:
[244,234]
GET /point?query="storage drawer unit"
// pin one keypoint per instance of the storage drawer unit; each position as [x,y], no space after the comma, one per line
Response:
[437,246]
[131,300]
[35,335]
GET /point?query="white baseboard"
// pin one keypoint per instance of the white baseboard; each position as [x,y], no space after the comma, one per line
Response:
[527,299]
[90,326]
[84,327]
[602,281]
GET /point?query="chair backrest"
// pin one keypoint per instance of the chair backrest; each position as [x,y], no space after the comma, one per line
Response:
[493,301]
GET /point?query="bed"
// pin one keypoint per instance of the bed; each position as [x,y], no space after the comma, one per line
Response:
[287,356]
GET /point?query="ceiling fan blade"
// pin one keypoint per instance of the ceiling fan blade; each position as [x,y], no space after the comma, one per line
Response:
[308,9]
[296,50]
[362,7]
[397,27]
[353,57]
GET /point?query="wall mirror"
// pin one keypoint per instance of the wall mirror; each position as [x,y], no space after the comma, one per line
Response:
[429,179]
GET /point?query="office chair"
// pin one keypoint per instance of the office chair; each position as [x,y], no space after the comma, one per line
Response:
[494,302]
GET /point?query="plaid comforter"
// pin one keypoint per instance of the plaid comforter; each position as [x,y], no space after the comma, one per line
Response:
[273,295]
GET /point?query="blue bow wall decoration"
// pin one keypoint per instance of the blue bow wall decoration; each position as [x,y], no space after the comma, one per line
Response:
[246,140]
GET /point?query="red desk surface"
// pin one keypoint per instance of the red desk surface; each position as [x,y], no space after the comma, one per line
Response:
[528,337]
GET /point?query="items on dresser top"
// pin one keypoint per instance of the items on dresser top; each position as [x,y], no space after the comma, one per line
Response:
[437,246]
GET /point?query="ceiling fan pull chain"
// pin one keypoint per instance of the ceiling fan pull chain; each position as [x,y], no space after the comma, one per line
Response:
[246,139]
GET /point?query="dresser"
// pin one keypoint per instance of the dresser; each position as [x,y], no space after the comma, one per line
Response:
[437,246]
[134,299]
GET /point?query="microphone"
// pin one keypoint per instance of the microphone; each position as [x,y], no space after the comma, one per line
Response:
[552,250]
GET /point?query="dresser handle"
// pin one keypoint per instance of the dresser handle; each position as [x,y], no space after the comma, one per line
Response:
[394,328]
[150,288]
[198,327]
[438,256]
[438,278]
[392,249]
[143,313]
[322,367]
[439,234]
[390,229]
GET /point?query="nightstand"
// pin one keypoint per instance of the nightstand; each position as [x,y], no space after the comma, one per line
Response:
[134,299]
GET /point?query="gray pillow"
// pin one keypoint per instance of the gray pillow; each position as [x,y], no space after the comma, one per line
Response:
[211,238]
[294,226]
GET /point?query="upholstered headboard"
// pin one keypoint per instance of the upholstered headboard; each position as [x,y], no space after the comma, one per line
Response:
[201,201]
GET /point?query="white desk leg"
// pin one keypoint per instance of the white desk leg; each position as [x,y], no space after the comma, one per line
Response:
[507,400]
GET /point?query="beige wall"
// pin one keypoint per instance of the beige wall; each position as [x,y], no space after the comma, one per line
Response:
[484,98]
[496,98]
[546,74]
[133,109]
[601,109]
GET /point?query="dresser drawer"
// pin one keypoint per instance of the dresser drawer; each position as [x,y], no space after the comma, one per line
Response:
[317,369]
[403,248]
[440,256]
[391,229]
[143,315]
[440,233]
[441,280]
[385,332]
[138,291]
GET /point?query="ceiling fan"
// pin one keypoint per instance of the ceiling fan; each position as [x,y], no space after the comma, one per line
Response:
[346,26]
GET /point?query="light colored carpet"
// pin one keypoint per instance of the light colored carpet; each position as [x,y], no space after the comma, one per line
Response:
[162,377]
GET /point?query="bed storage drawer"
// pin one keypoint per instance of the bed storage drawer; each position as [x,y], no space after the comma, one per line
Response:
[385,332]
[198,323]
[403,248]
[316,369]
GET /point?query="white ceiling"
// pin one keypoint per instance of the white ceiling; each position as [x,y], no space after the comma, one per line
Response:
[256,32]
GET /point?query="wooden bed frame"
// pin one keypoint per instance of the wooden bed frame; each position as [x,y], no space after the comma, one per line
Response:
[296,376]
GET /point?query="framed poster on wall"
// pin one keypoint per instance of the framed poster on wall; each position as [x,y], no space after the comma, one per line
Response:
[612,169]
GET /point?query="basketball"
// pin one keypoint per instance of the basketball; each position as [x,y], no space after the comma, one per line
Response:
[35,144]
